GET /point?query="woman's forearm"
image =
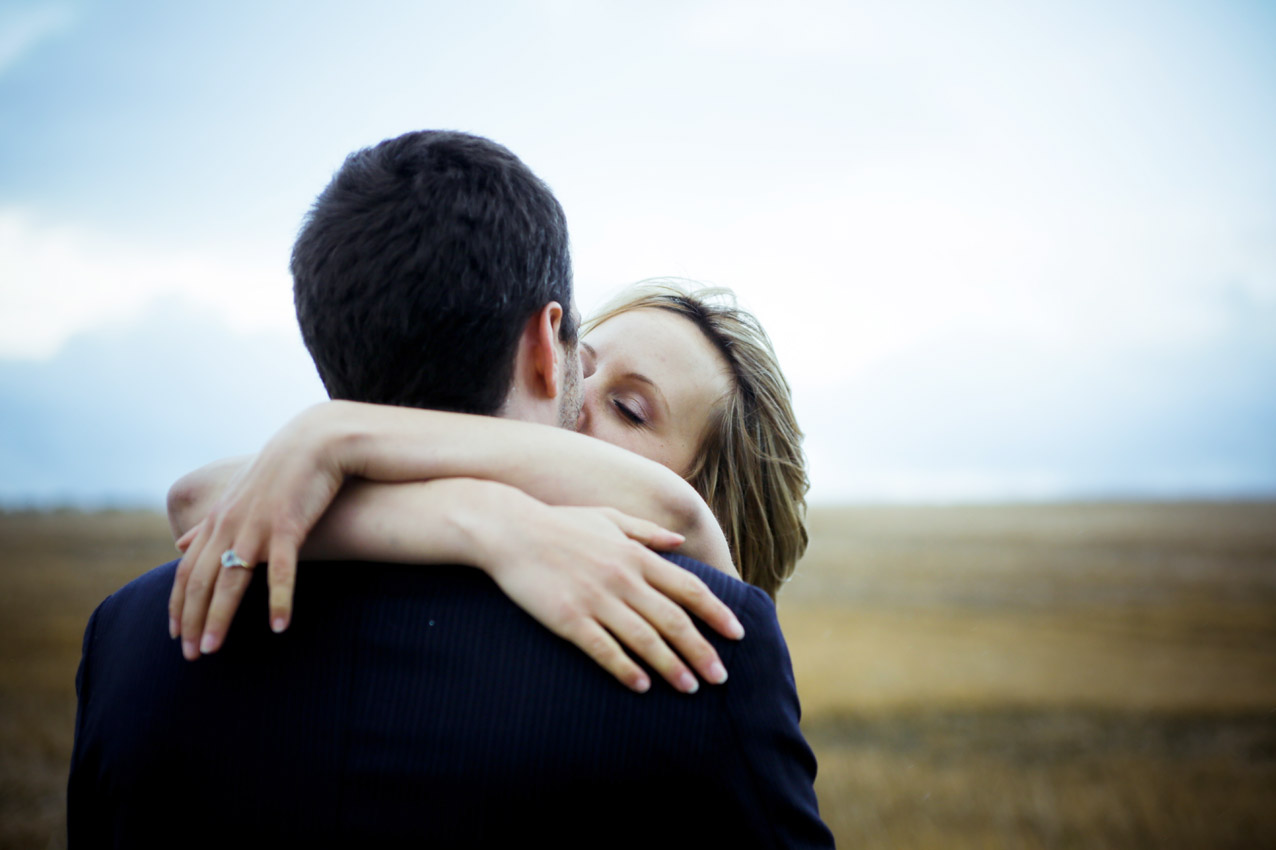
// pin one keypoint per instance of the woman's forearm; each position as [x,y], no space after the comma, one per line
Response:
[587,574]
[559,467]
[445,521]
[388,444]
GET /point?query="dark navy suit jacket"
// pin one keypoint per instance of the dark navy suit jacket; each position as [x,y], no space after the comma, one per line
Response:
[413,708]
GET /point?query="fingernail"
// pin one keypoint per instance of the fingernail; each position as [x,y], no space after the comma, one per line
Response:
[642,684]
[717,673]
[208,644]
[688,684]
[189,650]
[173,629]
[734,629]
[277,625]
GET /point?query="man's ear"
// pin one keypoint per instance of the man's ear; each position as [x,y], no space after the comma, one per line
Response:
[544,348]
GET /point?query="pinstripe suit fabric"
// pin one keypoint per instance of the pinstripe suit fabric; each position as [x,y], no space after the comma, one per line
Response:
[413,706]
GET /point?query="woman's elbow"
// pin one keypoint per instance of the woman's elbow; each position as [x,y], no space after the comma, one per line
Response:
[182,503]
[704,538]
[683,511]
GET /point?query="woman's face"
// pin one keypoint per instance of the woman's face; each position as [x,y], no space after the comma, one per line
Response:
[651,380]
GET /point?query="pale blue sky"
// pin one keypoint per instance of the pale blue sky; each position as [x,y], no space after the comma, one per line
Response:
[1005,249]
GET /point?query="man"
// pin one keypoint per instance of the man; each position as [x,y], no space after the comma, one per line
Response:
[409,709]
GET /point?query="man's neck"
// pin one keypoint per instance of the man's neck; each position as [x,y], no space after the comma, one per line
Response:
[521,406]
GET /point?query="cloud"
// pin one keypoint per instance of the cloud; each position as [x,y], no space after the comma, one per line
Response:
[996,417]
[23,28]
[63,278]
[804,30]
[1053,217]
[119,412]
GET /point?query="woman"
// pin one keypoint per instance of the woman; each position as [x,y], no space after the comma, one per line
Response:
[683,378]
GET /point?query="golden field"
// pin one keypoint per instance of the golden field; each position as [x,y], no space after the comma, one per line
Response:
[1098,675]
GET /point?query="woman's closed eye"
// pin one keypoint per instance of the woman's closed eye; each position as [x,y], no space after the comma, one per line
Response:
[630,412]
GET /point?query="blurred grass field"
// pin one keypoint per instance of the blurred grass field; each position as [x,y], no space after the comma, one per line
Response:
[1094,675]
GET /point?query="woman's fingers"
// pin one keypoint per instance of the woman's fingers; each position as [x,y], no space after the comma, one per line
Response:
[646,532]
[198,591]
[652,626]
[659,598]
[637,633]
[184,542]
[204,578]
[266,511]
[177,597]
[282,577]
[678,584]
[231,584]
[206,594]
[688,591]
[672,625]
[587,634]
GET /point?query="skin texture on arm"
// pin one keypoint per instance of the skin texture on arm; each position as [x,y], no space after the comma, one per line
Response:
[587,574]
[557,563]
[191,498]
[558,467]
[270,508]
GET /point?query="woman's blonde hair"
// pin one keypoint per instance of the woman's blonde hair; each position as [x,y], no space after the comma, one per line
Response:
[750,468]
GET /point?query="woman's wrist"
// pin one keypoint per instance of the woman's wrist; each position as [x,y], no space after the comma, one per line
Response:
[335,434]
[377,442]
[485,515]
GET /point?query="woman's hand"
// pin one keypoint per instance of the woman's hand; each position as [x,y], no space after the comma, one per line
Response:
[584,573]
[588,575]
[270,507]
[265,513]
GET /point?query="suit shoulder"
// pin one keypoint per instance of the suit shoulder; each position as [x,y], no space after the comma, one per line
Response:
[753,607]
[735,593]
[764,647]
[142,591]
[760,705]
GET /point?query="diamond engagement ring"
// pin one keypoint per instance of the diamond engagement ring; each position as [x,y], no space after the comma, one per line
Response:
[230,559]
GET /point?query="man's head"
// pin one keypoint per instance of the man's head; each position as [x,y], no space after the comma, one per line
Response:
[433,271]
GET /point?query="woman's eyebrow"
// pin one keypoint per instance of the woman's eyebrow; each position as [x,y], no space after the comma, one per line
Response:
[635,376]
[655,389]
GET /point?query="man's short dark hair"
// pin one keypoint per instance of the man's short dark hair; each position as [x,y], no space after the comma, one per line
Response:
[420,264]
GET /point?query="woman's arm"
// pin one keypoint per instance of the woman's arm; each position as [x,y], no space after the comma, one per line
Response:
[585,573]
[557,466]
[394,444]
[265,510]
[362,534]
